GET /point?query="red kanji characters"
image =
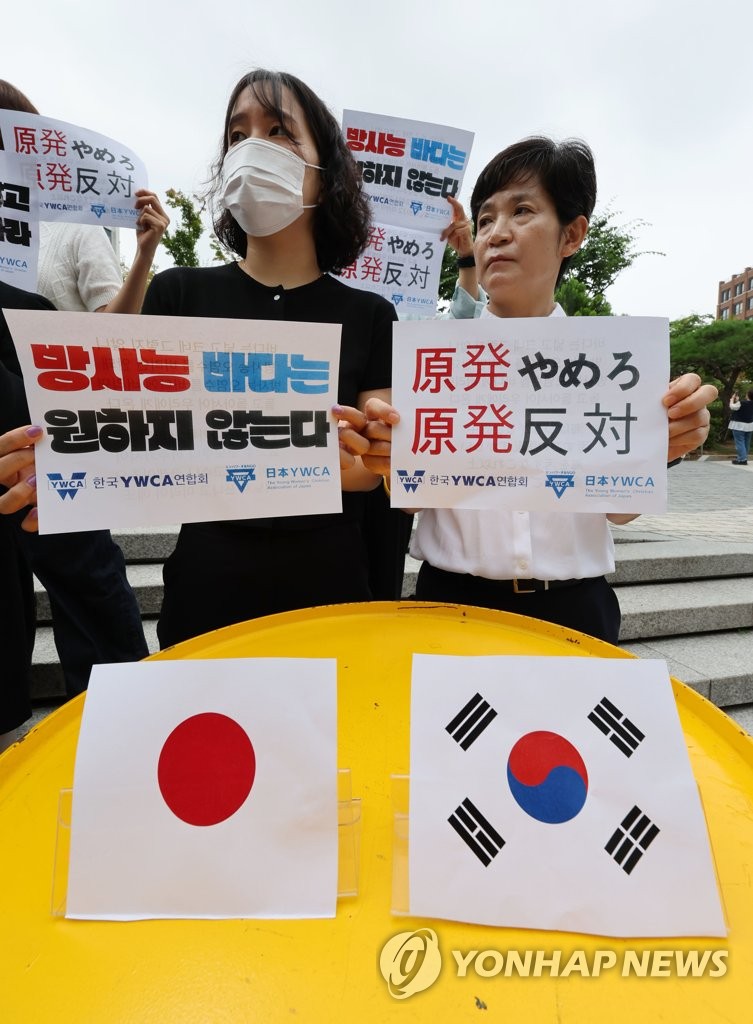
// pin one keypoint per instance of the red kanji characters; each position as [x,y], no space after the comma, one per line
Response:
[434,429]
[433,370]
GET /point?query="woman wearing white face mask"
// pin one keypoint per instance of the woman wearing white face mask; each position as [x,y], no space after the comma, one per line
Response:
[290,205]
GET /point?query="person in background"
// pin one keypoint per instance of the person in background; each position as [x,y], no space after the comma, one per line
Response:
[741,425]
[95,615]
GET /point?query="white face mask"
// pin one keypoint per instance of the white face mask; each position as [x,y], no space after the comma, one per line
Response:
[262,186]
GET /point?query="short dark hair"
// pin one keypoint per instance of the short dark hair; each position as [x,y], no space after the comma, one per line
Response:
[564,169]
[12,98]
[342,218]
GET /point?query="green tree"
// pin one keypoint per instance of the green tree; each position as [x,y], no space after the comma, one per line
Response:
[181,242]
[718,350]
[576,300]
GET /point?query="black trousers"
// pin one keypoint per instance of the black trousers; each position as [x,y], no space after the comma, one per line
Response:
[590,606]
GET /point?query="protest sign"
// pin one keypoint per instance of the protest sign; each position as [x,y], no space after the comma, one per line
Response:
[152,420]
[535,413]
[408,168]
[54,171]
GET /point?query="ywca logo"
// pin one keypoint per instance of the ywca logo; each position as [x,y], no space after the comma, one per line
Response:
[67,488]
[240,476]
[411,482]
[97,208]
[410,962]
[559,482]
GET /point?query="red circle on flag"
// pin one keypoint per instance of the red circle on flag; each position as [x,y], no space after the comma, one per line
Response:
[206,769]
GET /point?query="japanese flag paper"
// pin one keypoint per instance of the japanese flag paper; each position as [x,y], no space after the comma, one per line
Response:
[206,789]
[556,793]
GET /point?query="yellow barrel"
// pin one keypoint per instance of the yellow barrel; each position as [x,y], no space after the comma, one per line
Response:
[180,972]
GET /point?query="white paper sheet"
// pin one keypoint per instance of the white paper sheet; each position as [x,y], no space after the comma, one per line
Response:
[157,419]
[541,413]
[152,779]
[526,814]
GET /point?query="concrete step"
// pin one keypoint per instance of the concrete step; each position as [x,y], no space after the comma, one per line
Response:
[665,561]
[698,606]
[46,674]
[718,665]
[146,581]
[147,544]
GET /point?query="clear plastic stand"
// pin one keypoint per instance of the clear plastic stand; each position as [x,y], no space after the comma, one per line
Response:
[400,876]
[348,833]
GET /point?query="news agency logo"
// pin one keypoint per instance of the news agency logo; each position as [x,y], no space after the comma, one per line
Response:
[416,207]
[411,481]
[410,962]
[396,298]
[98,209]
[559,482]
[241,476]
[67,487]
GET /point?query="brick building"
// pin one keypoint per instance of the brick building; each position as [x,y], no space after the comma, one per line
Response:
[735,298]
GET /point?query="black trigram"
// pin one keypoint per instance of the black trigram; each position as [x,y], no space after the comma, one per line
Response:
[620,730]
[470,722]
[479,836]
[631,839]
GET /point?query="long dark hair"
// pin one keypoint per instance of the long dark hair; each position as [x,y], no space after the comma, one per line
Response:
[342,218]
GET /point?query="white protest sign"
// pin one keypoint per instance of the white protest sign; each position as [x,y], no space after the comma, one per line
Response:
[54,171]
[19,225]
[556,793]
[539,413]
[152,420]
[408,169]
[206,794]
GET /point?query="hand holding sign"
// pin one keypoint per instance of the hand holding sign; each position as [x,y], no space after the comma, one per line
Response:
[17,472]
[686,401]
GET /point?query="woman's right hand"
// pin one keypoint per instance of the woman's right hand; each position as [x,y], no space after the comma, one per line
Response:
[458,232]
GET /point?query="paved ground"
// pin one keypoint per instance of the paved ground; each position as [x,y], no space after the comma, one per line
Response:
[707,498]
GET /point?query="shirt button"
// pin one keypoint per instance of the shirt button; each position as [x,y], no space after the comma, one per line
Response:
[523,565]
[276,297]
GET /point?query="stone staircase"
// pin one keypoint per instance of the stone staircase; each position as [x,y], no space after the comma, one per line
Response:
[688,601]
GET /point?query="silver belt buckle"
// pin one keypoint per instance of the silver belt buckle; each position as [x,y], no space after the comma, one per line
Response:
[519,590]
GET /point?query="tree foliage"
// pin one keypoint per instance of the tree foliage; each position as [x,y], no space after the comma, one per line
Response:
[181,242]
[576,300]
[718,350]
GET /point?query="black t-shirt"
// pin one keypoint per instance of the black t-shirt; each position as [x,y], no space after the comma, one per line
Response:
[13,409]
[365,345]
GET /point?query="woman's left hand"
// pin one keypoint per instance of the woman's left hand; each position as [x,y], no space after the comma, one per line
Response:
[686,402]
[152,222]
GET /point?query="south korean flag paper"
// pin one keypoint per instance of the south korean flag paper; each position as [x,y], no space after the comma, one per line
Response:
[556,793]
[206,789]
